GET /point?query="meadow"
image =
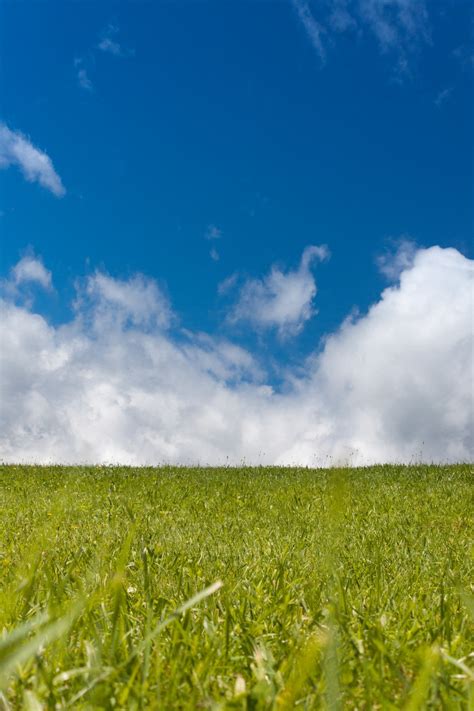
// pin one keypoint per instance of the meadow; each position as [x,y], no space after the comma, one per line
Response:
[236,588]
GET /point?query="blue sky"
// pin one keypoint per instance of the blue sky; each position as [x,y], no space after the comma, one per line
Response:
[247,129]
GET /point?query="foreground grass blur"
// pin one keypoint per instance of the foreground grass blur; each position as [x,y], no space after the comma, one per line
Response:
[265,588]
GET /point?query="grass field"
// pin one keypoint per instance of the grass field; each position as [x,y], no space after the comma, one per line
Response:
[236,588]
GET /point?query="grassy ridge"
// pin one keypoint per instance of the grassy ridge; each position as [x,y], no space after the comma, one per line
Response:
[341,588]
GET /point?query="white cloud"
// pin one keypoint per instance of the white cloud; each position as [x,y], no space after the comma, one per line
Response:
[227,284]
[399,26]
[396,23]
[83,79]
[340,18]
[465,56]
[109,45]
[36,166]
[31,269]
[113,302]
[313,29]
[392,263]
[443,96]
[280,300]
[214,254]
[399,381]
[213,232]
[393,385]
[108,42]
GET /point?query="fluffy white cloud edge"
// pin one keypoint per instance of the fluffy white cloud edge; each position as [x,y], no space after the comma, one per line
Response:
[31,269]
[36,166]
[399,26]
[281,301]
[117,385]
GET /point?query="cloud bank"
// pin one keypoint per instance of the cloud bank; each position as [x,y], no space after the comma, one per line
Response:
[36,166]
[120,383]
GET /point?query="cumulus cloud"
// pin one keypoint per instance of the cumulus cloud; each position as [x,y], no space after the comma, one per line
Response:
[114,302]
[36,166]
[30,269]
[27,273]
[280,300]
[394,384]
[398,381]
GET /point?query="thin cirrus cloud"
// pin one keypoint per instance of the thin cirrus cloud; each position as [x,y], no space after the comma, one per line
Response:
[117,383]
[314,29]
[35,165]
[108,44]
[213,233]
[83,79]
[280,300]
[399,26]
[443,96]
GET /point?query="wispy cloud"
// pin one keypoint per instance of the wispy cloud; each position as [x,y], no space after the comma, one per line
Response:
[340,19]
[30,269]
[443,96]
[313,29]
[83,79]
[281,300]
[227,284]
[23,279]
[465,56]
[36,165]
[213,232]
[138,301]
[399,26]
[397,258]
[109,43]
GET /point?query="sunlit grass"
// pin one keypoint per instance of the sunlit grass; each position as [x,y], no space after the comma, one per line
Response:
[236,588]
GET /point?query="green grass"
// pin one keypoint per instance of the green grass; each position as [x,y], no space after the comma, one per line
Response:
[348,589]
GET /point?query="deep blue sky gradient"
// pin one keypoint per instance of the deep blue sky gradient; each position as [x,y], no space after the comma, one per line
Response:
[224,114]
